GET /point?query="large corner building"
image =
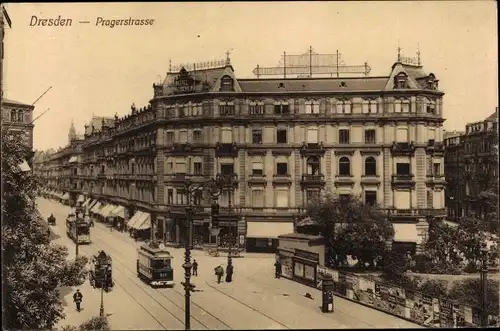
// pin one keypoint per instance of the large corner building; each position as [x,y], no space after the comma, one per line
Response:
[286,139]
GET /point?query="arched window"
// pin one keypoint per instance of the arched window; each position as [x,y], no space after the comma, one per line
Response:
[257,166]
[227,84]
[313,165]
[370,166]
[20,116]
[401,81]
[344,166]
[13,115]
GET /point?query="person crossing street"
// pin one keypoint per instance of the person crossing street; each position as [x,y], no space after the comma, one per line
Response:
[195,268]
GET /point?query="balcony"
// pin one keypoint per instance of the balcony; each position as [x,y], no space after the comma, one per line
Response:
[144,150]
[316,180]
[312,149]
[226,150]
[181,149]
[257,179]
[403,181]
[403,149]
[434,147]
[435,180]
[411,213]
[284,179]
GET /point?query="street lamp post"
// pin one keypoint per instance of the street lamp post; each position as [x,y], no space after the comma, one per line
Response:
[484,285]
[101,310]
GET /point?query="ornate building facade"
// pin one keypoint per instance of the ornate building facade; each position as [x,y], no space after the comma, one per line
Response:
[285,140]
[472,160]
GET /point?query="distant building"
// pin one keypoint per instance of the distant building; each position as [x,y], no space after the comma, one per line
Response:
[472,167]
[285,139]
[18,116]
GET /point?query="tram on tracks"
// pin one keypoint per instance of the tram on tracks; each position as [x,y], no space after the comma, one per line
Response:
[154,265]
[77,229]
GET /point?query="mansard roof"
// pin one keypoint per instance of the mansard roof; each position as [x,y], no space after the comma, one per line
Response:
[15,103]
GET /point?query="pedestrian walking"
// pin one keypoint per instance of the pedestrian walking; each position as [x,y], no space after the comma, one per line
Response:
[277,270]
[219,272]
[195,268]
[77,298]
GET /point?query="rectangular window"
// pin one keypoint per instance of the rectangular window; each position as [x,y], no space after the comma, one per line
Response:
[183,136]
[406,106]
[282,198]
[180,198]
[180,167]
[182,112]
[437,169]
[170,196]
[402,168]
[370,136]
[397,106]
[315,108]
[340,108]
[226,109]
[373,107]
[281,109]
[257,136]
[347,107]
[366,107]
[258,198]
[371,198]
[281,136]
[282,168]
[309,108]
[198,168]
[312,135]
[197,136]
[344,136]
[227,136]
[170,137]
[227,169]
[257,168]
[256,109]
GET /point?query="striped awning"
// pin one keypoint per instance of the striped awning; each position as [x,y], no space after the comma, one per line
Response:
[144,222]
[106,212]
[86,203]
[404,232]
[92,203]
[96,207]
[119,211]
[134,219]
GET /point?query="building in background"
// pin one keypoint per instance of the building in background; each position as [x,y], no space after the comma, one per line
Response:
[454,173]
[285,139]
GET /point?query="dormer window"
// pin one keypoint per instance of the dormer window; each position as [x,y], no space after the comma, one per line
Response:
[227,84]
[431,83]
[401,81]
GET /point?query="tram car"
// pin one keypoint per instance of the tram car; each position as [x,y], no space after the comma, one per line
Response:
[154,265]
[101,271]
[77,229]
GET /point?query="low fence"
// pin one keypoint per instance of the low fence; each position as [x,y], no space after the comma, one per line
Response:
[411,305]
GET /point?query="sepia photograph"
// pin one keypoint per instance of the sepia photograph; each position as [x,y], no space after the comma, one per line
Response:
[249,165]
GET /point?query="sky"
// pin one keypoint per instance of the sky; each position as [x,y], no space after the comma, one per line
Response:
[98,70]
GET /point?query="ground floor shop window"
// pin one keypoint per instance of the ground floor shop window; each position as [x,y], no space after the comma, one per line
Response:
[286,266]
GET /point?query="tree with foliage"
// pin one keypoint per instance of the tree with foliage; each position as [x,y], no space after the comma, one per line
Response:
[350,227]
[33,268]
[469,239]
[94,324]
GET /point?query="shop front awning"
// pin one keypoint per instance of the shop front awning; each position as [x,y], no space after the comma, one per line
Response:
[92,203]
[119,211]
[268,229]
[107,210]
[80,198]
[73,159]
[65,196]
[86,203]
[406,233]
[144,222]
[131,223]
[96,207]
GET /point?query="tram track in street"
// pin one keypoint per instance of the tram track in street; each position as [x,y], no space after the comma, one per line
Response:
[228,296]
[222,325]
[219,291]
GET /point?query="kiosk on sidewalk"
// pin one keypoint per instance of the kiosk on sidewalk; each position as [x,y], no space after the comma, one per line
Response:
[300,255]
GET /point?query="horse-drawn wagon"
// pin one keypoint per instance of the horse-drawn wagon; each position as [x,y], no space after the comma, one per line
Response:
[100,274]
